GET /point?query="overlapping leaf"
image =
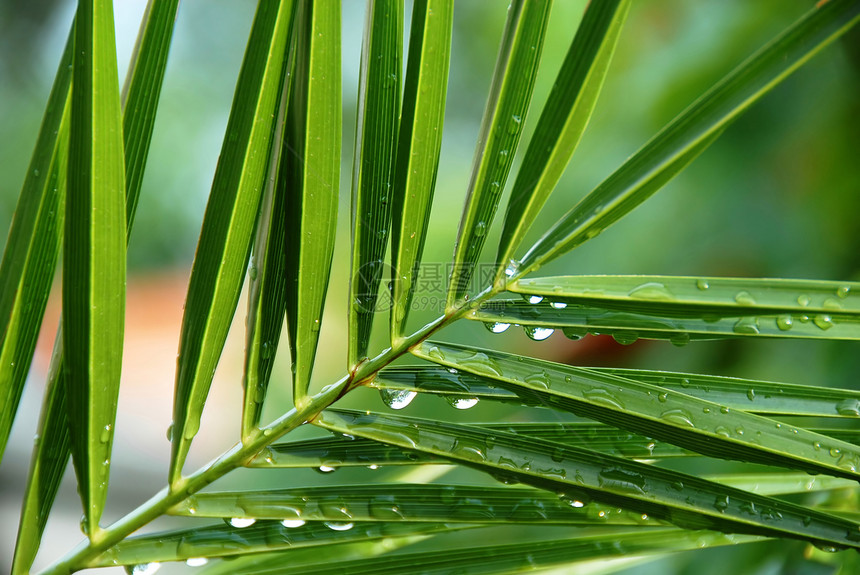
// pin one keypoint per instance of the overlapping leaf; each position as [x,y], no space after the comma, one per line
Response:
[690,133]
[563,120]
[584,475]
[696,424]
[418,147]
[501,128]
[229,222]
[227,540]
[52,449]
[756,396]
[312,162]
[32,249]
[373,165]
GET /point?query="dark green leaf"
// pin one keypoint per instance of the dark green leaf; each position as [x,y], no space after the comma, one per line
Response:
[229,222]
[373,165]
[696,424]
[581,475]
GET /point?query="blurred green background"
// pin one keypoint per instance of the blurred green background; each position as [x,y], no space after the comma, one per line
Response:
[777,196]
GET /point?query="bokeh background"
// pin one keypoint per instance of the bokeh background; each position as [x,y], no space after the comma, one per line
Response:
[777,196]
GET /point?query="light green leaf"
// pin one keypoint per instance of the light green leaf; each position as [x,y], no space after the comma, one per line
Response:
[582,475]
[696,424]
[782,483]
[94,255]
[566,555]
[32,250]
[52,449]
[689,134]
[226,540]
[419,144]
[312,160]
[563,120]
[267,281]
[229,222]
[755,396]
[501,128]
[407,502]
[681,308]
[373,165]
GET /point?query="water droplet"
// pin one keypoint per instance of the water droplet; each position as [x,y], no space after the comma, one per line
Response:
[397,398]
[462,402]
[196,561]
[843,291]
[751,394]
[663,397]
[503,157]
[823,321]
[36,173]
[241,522]
[849,406]
[436,353]
[104,436]
[724,409]
[514,125]
[816,446]
[479,362]
[538,333]
[496,326]
[747,325]
[680,339]
[511,268]
[834,452]
[803,300]
[651,291]
[721,503]
[678,417]
[625,337]
[600,396]
[381,234]
[325,468]
[85,529]
[558,305]
[539,379]
[143,568]
[252,272]
[702,284]
[337,526]
[266,350]
[744,298]
[622,479]
[373,466]
[533,299]
[722,431]
[574,333]
[784,322]
[292,523]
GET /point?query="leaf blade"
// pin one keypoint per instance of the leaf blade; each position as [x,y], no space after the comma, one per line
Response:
[692,131]
[418,148]
[373,166]
[313,147]
[501,127]
[563,121]
[225,238]
[94,255]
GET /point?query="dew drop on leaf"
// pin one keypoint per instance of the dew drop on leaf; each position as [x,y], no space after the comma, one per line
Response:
[196,561]
[538,333]
[292,523]
[462,402]
[241,522]
[849,407]
[496,326]
[337,526]
[397,398]
[558,305]
[143,568]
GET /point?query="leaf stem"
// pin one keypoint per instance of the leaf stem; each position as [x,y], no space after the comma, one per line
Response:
[83,556]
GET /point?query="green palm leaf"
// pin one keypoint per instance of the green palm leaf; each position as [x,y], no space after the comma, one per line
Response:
[584,475]
[678,418]
[32,249]
[373,165]
[563,120]
[501,128]
[418,147]
[689,134]
[94,255]
[312,160]
[225,239]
